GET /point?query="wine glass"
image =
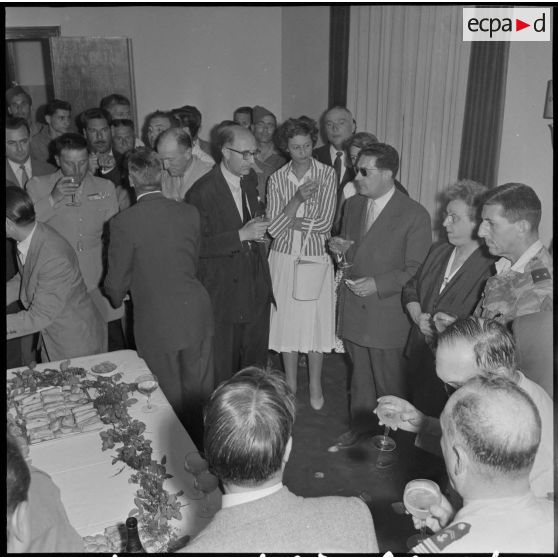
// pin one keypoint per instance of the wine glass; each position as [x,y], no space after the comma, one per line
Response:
[259,214]
[419,495]
[390,417]
[195,463]
[73,202]
[206,483]
[147,384]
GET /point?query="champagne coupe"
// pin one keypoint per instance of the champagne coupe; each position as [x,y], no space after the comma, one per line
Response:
[195,464]
[419,495]
[147,384]
[206,483]
[74,202]
[390,418]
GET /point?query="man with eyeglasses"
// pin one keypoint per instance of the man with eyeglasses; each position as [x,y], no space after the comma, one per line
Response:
[233,264]
[385,236]
[477,347]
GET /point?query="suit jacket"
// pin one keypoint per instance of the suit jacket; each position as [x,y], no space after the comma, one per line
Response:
[390,252]
[288,524]
[323,155]
[38,168]
[55,299]
[236,274]
[153,253]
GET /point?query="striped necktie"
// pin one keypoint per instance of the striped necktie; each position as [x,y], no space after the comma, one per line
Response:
[24,176]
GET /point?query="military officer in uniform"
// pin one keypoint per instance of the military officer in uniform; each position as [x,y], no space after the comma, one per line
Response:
[490,434]
[524,281]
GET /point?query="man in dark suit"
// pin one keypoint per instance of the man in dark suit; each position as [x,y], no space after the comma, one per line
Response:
[20,167]
[153,253]
[339,125]
[386,237]
[233,265]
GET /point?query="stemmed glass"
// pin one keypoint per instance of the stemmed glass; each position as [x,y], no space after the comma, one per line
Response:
[73,202]
[147,384]
[204,483]
[389,417]
[259,214]
[419,495]
[341,259]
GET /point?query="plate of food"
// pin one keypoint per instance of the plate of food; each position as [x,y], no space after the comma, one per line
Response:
[103,368]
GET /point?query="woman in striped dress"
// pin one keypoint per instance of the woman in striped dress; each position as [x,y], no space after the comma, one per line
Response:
[301,203]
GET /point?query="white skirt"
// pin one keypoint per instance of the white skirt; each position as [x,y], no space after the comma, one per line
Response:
[300,325]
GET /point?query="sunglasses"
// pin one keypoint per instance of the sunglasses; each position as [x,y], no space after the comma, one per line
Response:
[365,170]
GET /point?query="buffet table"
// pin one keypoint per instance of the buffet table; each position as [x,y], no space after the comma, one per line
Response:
[95,494]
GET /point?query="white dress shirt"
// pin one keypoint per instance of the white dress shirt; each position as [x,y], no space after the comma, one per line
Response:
[236,498]
[23,246]
[16,167]
[234,184]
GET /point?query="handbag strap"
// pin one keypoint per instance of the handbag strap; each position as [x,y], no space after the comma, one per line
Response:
[305,242]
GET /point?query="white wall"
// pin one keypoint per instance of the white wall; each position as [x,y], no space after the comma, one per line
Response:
[305,64]
[526,153]
[216,58]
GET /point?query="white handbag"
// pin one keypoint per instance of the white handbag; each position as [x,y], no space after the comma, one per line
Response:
[309,276]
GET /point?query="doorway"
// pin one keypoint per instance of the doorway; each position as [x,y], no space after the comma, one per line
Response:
[28,64]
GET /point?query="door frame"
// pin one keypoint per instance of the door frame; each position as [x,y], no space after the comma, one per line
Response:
[24,34]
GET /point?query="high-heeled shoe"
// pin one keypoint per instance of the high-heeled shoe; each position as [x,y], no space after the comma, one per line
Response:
[317,403]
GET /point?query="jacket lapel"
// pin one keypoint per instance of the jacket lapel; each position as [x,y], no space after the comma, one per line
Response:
[226,199]
[31,259]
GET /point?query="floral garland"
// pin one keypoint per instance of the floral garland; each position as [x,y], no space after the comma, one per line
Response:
[154,506]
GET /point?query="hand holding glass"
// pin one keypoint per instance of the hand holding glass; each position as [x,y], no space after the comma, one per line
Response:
[147,384]
[74,182]
[390,418]
[419,495]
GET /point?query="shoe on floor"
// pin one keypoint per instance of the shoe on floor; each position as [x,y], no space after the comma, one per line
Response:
[348,439]
[317,403]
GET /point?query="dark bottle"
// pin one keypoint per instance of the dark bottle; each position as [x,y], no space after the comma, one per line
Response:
[133,546]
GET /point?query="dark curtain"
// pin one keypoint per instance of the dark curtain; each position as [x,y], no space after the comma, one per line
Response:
[484,112]
[339,27]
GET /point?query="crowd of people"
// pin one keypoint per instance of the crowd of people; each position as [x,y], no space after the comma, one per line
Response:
[259,241]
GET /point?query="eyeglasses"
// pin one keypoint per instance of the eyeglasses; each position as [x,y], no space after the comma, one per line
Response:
[365,170]
[245,154]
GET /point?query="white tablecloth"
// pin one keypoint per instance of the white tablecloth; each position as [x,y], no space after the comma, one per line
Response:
[94,497]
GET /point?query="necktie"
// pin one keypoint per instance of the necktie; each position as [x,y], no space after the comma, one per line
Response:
[338,165]
[24,176]
[245,211]
[369,219]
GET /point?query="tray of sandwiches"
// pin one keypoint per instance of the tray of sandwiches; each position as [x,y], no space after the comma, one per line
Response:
[52,412]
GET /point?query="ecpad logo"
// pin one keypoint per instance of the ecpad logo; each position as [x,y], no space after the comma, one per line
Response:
[506,24]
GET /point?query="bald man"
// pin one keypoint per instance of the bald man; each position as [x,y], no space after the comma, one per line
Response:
[233,265]
[491,430]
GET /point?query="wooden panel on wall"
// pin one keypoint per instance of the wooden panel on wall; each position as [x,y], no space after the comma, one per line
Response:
[86,69]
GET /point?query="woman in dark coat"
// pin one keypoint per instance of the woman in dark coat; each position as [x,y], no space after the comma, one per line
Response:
[450,280]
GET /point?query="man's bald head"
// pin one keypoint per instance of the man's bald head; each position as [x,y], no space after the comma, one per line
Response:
[174,147]
[238,146]
[496,423]
[339,126]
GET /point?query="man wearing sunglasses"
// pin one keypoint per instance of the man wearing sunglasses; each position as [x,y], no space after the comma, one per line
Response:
[233,264]
[478,347]
[390,236]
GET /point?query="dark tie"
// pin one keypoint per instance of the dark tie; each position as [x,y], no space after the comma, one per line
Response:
[24,176]
[245,211]
[338,165]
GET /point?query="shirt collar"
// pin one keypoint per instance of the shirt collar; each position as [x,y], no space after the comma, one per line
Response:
[382,201]
[236,498]
[16,166]
[147,193]
[231,178]
[503,264]
[23,246]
